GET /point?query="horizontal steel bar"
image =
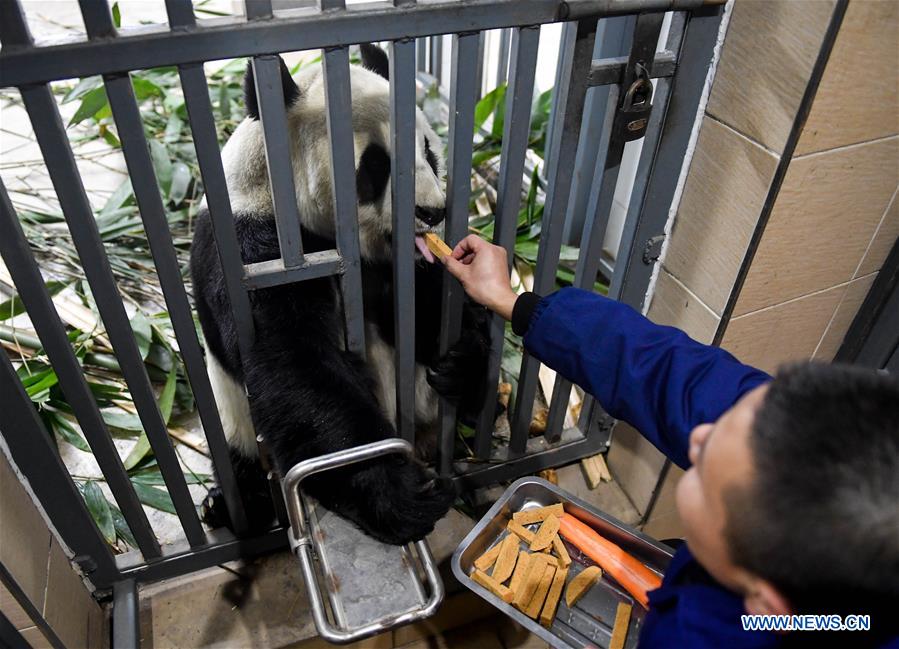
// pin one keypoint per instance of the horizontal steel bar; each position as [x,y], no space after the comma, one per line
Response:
[264,274]
[402,192]
[30,285]
[338,105]
[604,72]
[127,117]
[125,615]
[516,125]
[157,46]
[513,468]
[180,558]
[32,450]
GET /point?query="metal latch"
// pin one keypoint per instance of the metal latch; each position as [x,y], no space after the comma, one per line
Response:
[653,249]
[636,105]
[354,568]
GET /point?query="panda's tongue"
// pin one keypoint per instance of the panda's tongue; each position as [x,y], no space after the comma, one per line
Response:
[424,250]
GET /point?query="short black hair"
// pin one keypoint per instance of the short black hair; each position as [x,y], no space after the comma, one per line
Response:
[820,519]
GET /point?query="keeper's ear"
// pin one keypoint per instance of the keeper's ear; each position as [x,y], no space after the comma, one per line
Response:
[251,101]
[375,59]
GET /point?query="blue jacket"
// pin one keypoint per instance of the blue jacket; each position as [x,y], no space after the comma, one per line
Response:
[663,383]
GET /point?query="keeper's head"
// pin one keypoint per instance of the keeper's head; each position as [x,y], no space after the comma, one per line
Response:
[792,498]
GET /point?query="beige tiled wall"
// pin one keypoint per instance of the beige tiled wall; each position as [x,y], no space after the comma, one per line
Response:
[834,219]
[41,570]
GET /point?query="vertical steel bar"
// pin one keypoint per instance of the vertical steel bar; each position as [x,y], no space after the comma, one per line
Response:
[27,277]
[569,31]
[516,127]
[502,66]
[421,54]
[273,116]
[125,615]
[437,58]
[402,192]
[645,39]
[143,179]
[338,104]
[54,145]
[576,61]
[258,9]
[30,447]
[479,70]
[463,95]
[86,236]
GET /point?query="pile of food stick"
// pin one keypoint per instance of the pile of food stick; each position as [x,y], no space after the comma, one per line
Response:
[538,575]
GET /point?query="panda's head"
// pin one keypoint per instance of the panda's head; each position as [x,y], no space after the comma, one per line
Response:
[245,167]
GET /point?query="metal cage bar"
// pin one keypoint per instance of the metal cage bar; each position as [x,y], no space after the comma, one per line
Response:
[30,285]
[146,192]
[273,118]
[57,153]
[576,61]
[402,193]
[464,91]
[516,128]
[646,35]
[31,448]
[336,65]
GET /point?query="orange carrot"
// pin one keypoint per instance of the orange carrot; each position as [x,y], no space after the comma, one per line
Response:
[636,578]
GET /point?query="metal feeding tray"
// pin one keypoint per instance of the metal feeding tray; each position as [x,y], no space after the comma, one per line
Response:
[589,623]
[372,586]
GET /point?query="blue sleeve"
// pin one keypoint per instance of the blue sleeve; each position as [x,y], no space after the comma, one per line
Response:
[656,378]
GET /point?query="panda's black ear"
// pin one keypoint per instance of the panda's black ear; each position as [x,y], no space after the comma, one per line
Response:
[251,101]
[375,59]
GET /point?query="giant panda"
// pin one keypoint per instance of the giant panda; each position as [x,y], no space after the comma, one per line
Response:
[310,396]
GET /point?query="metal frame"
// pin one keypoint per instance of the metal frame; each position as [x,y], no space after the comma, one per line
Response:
[413,31]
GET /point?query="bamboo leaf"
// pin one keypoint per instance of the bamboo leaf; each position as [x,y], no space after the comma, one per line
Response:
[153,497]
[117,418]
[116,15]
[83,87]
[99,510]
[91,104]
[118,198]
[67,431]
[138,452]
[13,306]
[162,164]
[121,526]
[140,325]
[181,178]
[486,105]
[168,394]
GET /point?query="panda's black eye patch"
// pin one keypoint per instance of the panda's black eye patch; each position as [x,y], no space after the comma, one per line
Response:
[373,174]
[430,157]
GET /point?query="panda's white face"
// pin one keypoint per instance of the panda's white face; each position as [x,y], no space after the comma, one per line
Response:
[247,176]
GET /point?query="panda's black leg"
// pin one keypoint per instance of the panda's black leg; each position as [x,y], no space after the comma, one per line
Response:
[254,490]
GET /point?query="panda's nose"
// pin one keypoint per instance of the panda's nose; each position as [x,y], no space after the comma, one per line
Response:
[430,215]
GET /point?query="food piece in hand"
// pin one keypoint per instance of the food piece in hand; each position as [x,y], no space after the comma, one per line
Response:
[521,568]
[521,531]
[492,585]
[538,514]
[552,597]
[533,608]
[581,583]
[622,622]
[508,555]
[544,536]
[628,571]
[437,246]
[561,551]
[487,559]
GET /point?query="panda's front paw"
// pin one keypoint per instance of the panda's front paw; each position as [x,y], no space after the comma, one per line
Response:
[213,510]
[458,374]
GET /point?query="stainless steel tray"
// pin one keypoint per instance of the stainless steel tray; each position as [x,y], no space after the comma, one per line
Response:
[589,623]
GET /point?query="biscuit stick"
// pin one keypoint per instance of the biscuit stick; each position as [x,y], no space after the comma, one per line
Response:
[622,621]
[492,585]
[487,559]
[552,598]
[508,555]
[437,246]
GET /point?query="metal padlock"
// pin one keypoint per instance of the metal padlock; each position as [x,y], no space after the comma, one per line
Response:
[636,106]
